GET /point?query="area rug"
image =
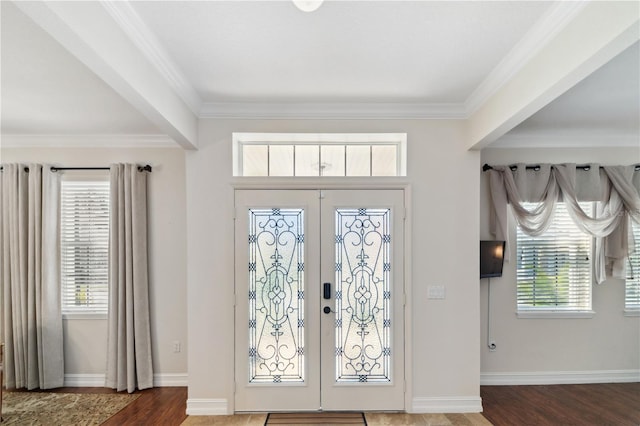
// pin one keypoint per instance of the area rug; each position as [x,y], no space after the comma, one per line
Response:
[315,419]
[44,408]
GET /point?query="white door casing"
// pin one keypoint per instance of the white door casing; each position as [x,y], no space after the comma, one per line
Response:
[291,355]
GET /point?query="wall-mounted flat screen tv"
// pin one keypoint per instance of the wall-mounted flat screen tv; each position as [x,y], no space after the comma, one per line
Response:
[491,258]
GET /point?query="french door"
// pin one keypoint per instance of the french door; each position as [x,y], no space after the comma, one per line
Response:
[319,315]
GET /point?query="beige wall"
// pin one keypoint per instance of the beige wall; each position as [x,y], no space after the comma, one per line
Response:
[444,179]
[85,340]
[444,334]
[607,345]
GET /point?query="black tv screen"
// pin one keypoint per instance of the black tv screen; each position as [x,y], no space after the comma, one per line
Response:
[491,258]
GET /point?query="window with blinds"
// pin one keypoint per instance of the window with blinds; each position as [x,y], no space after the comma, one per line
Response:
[632,286]
[84,246]
[554,269]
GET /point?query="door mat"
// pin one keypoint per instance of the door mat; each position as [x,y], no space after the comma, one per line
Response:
[328,418]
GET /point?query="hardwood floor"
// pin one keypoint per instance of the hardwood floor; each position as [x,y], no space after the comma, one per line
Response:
[598,404]
[157,406]
[580,405]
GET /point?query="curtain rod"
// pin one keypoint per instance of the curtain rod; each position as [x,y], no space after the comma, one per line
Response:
[514,167]
[145,168]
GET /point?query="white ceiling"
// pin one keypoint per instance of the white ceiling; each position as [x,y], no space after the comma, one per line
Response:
[46,90]
[430,59]
[601,110]
[427,52]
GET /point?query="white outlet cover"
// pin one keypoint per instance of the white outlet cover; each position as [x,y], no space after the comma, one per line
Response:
[436,292]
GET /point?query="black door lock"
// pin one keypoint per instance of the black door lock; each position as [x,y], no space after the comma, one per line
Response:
[326,291]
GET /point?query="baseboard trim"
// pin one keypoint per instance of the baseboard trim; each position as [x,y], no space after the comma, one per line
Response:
[207,407]
[98,380]
[559,377]
[447,404]
[84,380]
[170,380]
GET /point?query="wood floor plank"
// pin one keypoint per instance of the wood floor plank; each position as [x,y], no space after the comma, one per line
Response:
[550,405]
[156,406]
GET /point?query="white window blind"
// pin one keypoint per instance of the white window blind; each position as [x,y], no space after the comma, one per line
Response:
[84,245]
[554,269]
[632,287]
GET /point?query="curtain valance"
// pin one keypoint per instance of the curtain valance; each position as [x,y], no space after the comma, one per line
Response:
[616,189]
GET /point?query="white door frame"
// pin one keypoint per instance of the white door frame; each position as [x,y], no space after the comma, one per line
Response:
[355,183]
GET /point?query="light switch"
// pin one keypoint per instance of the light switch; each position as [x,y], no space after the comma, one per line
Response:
[435,292]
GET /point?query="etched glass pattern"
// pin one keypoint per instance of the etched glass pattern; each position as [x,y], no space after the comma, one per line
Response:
[363,295]
[276,295]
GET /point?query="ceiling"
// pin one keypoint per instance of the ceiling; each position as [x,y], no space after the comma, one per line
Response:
[601,110]
[267,59]
[46,90]
[427,52]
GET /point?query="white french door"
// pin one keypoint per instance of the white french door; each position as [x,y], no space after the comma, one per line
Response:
[319,320]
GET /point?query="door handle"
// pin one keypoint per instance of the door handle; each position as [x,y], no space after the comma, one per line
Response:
[326,291]
[327,310]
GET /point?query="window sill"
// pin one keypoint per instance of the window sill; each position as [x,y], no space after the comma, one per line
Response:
[632,312]
[84,316]
[554,314]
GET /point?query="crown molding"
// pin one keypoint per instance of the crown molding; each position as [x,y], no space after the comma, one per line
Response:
[86,141]
[330,111]
[545,29]
[138,32]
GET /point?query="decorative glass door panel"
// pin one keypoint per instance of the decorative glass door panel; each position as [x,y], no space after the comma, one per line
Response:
[363,291]
[276,295]
[319,300]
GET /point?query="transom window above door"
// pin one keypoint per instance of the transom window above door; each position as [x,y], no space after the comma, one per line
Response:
[319,154]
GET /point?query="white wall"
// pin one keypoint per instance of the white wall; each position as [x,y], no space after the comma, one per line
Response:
[444,179]
[603,348]
[85,340]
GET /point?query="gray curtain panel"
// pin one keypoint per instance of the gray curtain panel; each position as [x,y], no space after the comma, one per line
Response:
[613,187]
[129,363]
[30,262]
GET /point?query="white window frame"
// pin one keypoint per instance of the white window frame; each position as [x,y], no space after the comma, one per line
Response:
[240,139]
[633,273]
[550,312]
[81,314]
